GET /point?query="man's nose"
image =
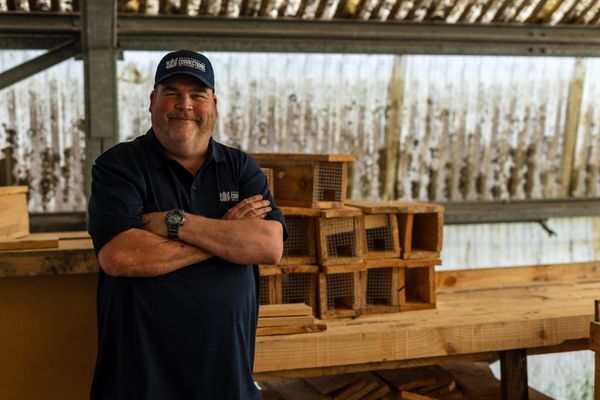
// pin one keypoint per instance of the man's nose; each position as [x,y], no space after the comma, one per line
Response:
[184,103]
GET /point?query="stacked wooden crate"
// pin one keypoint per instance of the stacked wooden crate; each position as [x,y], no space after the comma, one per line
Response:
[345,258]
[403,246]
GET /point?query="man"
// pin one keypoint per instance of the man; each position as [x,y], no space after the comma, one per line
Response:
[178,222]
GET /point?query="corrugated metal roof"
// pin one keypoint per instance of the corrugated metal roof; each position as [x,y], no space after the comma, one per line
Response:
[546,12]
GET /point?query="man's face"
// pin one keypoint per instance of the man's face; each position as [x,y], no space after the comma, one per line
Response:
[183,110]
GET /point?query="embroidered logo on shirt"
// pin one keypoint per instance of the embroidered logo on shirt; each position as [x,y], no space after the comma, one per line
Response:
[229,196]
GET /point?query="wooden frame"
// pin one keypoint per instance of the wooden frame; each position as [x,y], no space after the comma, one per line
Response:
[374,225]
[343,306]
[270,283]
[419,287]
[396,290]
[297,178]
[300,221]
[269,174]
[312,274]
[343,224]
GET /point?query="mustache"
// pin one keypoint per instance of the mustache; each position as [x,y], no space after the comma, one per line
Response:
[189,116]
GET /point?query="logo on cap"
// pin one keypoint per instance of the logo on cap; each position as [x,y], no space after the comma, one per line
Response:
[185,62]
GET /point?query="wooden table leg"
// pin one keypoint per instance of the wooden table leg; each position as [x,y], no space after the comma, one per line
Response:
[513,368]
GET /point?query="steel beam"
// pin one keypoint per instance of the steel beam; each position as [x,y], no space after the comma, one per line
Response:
[40,63]
[37,30]
[485,212]
[99,40]
[286,35]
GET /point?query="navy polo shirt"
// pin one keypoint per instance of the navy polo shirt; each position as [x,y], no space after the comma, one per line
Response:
[188,334]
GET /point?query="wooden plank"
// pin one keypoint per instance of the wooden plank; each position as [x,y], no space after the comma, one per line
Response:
[515,276]
[343,268]
[295,389]
[330,383]
[300,211]
[298,157]
[265,322]
[571,125]
[513,367]
[375,221]
[344,212]
[595,337]
[14,214]
[392,132]
[284,310]
[406,395]
[28,243]
[288,330]
[299,269]
[268,270]
[6,190]
[400,263]
[408,378]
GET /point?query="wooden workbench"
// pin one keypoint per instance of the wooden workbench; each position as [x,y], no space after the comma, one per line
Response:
[47,311]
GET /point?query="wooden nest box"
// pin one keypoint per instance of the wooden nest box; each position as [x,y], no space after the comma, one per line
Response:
[300,246]
[308,180]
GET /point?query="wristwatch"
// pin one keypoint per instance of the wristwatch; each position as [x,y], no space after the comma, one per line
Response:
[174,219]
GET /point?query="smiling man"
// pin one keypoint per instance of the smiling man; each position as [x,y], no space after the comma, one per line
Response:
[179,223]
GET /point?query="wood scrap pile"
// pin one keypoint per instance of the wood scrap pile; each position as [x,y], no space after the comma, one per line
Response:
[284,319]
[452,381]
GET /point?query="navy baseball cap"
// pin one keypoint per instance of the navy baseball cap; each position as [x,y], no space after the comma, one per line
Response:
[186,62]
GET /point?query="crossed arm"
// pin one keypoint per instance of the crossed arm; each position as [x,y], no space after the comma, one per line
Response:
[243,236]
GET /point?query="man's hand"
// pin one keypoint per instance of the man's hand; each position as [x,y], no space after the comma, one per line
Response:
[251,207]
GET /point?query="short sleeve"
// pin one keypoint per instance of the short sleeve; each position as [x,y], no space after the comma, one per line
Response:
[253,181]
[116,201]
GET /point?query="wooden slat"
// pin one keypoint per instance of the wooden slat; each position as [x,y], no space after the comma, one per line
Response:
[295,389]
[345,212]
[300,211]
[6,190]
[516,276]
[29,243]
[266,322]
[289,330]
[284,310]
[330,383]
[295,157]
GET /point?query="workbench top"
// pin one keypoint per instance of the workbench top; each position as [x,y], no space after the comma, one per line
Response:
[74,254]
[540,308]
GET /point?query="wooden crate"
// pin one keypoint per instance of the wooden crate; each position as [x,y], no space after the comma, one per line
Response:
[381,236]
[300,246]
[340,291]
[269,174]
[419,286]
[420,225]
[299,285]
[14,215]
[340,234]
[270,286]
[308,180]
[421,231]
[382,286]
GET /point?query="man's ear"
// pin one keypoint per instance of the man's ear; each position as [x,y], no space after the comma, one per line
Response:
[152,96]
[215,100]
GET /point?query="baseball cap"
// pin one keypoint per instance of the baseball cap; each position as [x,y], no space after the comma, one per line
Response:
[185,62]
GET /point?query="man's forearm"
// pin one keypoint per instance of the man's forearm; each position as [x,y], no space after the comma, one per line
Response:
[241,241]
[137,252]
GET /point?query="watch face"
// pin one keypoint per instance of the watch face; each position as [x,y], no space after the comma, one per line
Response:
[174,218]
